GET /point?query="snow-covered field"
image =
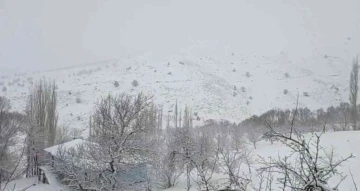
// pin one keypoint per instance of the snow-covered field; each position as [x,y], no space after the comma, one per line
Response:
[343,143]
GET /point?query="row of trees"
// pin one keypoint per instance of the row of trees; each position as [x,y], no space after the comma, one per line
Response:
[42,119]
[11,125]
[125,133]
[38,126]
[338,118]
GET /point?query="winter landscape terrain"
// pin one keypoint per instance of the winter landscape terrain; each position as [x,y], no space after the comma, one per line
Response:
[216,89]
[179,95]
[345,143]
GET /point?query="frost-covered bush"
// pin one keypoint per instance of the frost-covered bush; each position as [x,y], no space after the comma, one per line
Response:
[85,72]
[116,84]
[243,89]
[287,75]
[135,83]
[78,100]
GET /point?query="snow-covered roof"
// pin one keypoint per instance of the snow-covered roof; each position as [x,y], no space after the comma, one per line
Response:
[66,146]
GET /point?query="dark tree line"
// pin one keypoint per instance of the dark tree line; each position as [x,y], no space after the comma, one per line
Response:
[338,118]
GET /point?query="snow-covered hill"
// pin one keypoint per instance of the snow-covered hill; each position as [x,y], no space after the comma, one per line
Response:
[233,87]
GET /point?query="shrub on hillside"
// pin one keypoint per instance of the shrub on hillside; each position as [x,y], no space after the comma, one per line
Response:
[116,84]
[243,89]
[286,91]
[4,89]
[78,100]
[135,83]
[287,75]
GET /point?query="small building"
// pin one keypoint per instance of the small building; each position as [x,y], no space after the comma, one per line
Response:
[52,153]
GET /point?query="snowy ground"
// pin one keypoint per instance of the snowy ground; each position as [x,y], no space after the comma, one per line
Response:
[29,184]
[344,144]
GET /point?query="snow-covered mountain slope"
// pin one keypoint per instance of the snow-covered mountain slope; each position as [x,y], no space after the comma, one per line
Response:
[233,87]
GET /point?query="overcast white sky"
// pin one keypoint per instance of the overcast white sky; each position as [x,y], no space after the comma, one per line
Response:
[44,34]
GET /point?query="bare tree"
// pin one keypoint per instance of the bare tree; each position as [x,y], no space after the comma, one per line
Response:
[64,134]
[119,128]
[312,166]
[75,168]
[167,164]
[231,161]
[185,142]
[254,134]
[205,160]
[202,156]
[42,113]
[10,127]
[354,88]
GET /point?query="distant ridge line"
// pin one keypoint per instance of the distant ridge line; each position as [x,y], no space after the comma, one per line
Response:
[82,65]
